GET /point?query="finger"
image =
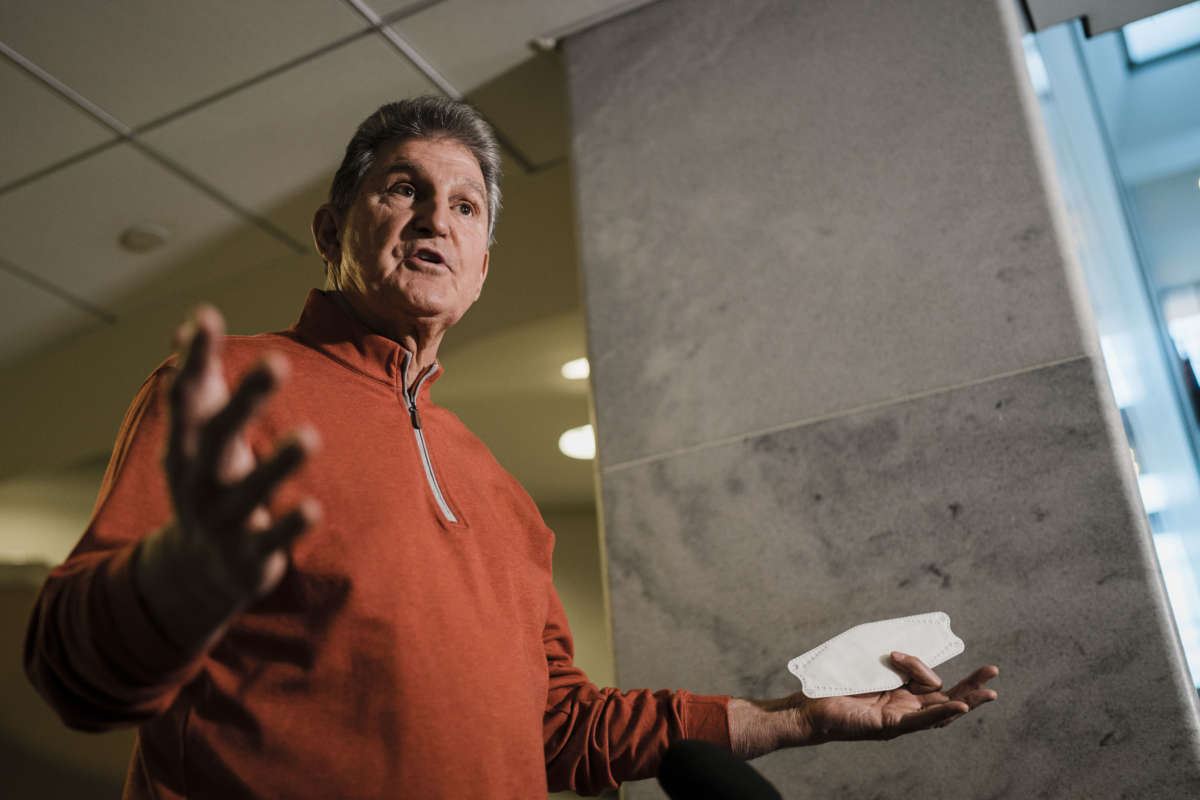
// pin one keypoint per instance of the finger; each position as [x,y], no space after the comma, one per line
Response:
[288,527]
[978,697]
[920,678]
[973,681]
[930,717]
[193,343]
[206,325]
[220,430]
[198,339]
[256,488]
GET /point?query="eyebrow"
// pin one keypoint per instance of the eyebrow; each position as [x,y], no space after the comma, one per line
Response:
[415,169]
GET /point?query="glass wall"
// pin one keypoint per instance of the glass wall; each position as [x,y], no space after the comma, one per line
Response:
[1123,114]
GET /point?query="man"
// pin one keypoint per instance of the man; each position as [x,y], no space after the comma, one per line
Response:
[410,643]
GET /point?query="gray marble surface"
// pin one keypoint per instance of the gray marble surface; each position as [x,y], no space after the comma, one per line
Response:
[801,208]
[1001,504]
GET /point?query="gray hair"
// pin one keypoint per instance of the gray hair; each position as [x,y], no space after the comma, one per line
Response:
[425,117]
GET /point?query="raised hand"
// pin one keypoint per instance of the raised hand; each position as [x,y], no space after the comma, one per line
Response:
[224,550]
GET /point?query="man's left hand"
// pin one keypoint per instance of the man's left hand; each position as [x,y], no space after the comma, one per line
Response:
[758,727]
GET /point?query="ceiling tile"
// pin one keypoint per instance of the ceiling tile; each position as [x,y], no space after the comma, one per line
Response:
[274,146]
[473,41]
[64,228]
[30,316]
[140,59]
[40,127]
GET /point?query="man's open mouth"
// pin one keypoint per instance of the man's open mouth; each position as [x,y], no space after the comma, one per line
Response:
[430,256]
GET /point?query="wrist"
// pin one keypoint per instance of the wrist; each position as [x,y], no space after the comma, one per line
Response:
[757,727]
[183,591]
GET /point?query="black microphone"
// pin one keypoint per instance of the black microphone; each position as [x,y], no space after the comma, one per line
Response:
[692,769]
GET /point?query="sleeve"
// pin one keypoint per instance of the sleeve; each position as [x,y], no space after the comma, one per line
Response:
[595,738]
[91,649]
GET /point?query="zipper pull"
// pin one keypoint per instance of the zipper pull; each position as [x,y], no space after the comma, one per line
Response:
[416,418]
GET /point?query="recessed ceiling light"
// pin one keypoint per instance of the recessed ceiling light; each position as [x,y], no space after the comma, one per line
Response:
[143,238]
[576,369]
[578,443]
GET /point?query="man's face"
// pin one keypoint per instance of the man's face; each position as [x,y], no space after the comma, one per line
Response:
[413,246]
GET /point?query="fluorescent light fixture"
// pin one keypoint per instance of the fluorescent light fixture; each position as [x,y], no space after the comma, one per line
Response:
[578,443]
[576,369]
[1163,34]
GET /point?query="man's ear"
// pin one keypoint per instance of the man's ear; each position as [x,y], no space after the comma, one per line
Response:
[326,235]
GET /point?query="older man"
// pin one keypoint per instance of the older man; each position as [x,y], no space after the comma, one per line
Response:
[411,643]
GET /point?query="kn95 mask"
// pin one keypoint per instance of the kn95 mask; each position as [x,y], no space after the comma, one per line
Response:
[859,660]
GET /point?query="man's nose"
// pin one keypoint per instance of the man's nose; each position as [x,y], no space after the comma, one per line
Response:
[433,218]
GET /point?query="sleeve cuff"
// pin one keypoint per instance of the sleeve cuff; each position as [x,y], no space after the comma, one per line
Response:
[706,717]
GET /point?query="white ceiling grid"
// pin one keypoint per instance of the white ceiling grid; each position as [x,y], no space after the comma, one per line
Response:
[65,225]
[266,142]
[217,120]
[30,314]
[142,59]
[39,126]
[473,41]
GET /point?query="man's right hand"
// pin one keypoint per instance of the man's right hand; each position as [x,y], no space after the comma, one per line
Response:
[223,549]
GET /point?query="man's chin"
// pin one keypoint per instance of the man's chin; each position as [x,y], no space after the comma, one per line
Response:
[426,307]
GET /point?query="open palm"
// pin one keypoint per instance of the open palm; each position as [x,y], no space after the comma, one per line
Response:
[920,703]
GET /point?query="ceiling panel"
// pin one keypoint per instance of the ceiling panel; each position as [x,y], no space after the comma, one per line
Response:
[29,316]
[40,127]
[140,59]
[472,41]
[64,227]
[281,140]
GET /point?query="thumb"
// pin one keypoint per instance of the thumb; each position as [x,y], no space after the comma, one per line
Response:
[918,676]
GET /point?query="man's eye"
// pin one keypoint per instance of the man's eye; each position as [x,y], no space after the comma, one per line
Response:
[402,189]
[466,209]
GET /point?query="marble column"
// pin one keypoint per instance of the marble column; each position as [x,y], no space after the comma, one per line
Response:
[843,372]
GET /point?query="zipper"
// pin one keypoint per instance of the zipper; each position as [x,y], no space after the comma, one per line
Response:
[410,400]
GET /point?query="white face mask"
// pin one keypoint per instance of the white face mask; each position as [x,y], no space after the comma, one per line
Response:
[859,660]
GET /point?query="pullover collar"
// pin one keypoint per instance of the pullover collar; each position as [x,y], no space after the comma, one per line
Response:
[324,326]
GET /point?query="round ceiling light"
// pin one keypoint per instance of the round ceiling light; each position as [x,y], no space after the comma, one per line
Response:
[578,443]
[576,369]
